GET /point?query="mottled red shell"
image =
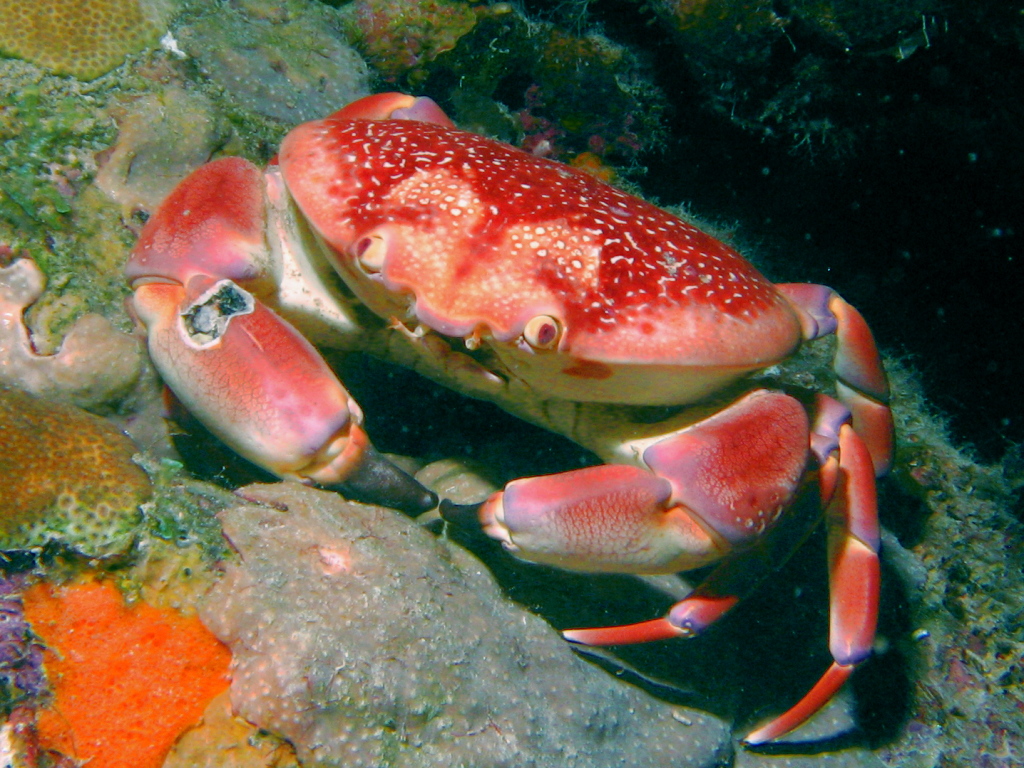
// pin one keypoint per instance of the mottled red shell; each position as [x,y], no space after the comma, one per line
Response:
[486,237]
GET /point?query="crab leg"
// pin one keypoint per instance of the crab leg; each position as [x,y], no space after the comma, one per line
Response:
[716,487]
[246,373]
[862,384]
[854,581]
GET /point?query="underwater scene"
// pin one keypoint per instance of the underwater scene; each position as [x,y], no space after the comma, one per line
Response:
[406,383]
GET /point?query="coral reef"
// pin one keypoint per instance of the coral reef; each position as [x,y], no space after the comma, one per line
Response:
[935,97]
[364,641]
[50,132]
[287,66]
[84,40]
[67,477]
[529,82]
[96,363]
[400,38]
[127,680]
[161,138]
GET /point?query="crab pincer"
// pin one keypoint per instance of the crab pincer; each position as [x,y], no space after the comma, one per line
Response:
[235,364]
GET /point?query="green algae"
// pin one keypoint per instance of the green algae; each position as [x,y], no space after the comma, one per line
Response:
[50,132]
[183,510]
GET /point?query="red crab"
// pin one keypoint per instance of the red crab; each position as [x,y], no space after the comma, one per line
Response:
[384,228]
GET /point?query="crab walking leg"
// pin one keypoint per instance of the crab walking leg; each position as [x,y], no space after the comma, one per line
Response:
[257,384]
[862,384]
[715,490]
[854,581]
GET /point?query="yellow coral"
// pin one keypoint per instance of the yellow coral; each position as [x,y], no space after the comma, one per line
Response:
[65,476]
[83,38]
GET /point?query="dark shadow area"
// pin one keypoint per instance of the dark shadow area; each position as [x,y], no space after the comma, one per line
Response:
[918,223]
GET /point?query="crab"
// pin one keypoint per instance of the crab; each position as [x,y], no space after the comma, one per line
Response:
[515,279]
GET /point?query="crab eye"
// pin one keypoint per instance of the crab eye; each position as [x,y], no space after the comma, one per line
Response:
[542,332]
[370,252]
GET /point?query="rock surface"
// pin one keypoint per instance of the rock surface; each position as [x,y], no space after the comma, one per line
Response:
[222,740]
[288,66]
[365,641]
[95,365]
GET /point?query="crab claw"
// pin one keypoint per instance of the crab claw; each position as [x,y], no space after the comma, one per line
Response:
[706,489]
[610,518]
[261,388]
[247,374]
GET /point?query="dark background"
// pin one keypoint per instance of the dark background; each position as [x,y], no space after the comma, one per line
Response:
[919,224]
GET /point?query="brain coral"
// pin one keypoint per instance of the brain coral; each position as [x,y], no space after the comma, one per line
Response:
[66,476]
[365,641]
[83,39]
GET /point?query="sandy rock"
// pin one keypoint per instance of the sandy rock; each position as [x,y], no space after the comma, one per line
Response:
[222,740]
[160,141]
[364,641]
[96,364]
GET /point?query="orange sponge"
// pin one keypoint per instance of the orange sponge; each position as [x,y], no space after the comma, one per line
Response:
[127,681]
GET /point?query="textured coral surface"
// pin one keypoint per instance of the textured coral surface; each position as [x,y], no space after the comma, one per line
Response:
[84,39]
[266,66]
[127,680]
[365,641]
[67,476]
[96,364]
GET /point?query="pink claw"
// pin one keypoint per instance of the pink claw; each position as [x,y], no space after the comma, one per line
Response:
[609,518]
[254,380]
[198,269]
